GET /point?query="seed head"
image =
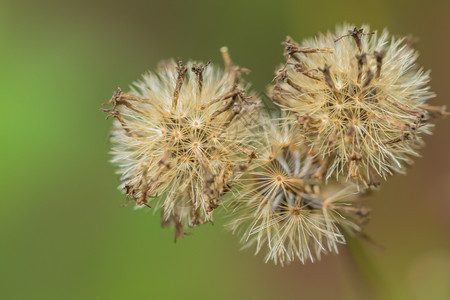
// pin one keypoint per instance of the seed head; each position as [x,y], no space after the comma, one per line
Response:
[360,99]
[282,208]
[177,137]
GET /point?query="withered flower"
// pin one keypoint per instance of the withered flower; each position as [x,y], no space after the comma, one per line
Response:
[283,208]
[177,138]
[360,100]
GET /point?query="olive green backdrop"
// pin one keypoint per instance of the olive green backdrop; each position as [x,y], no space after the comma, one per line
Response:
[63,234]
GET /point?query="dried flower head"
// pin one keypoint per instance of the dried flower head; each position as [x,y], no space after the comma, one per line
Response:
[177,137]
[360,99]
[282,208]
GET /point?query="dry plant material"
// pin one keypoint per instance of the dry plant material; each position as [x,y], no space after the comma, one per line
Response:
[284,209]
[178,137]
[354,110]
[363,106]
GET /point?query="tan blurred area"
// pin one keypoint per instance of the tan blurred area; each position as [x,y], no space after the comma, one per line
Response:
[62,231]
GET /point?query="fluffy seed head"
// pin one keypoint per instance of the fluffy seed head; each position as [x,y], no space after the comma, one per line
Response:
[282,208]
[177,137]
[360,99]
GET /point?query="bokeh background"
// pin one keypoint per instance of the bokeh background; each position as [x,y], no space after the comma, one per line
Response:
[62,232]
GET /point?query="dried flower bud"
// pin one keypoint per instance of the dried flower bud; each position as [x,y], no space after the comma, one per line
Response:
[282,208]
[365,101]
[178,138]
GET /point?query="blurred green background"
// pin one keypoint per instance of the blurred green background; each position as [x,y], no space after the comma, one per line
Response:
[63,234]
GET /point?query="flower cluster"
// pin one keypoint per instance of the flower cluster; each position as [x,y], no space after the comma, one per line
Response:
[352,109]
